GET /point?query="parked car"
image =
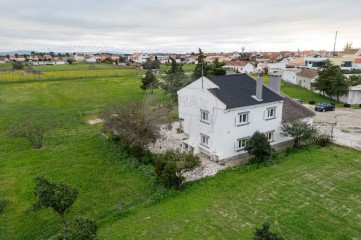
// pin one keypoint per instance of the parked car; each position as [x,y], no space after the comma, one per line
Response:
[323,107]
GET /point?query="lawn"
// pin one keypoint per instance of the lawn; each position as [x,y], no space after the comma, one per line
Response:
[6,66]
[311,194]
[76,66]
[186,67]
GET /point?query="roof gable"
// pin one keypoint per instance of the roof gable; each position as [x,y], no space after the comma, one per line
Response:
[308,73]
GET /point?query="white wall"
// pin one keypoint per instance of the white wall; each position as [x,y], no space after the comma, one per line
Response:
[248,68]
[290,76]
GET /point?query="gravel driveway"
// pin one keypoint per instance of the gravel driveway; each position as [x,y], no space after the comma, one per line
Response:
[347,125]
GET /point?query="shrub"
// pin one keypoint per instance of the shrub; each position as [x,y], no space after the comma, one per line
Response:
[258,147]
[3,204]
[323,140]
[346,105]
[264,233]
[171,166]
[312,102]
[300,131]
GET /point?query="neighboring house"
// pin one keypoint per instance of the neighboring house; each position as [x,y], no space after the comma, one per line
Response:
[163,59]
[115,57]
[357,63]
[306,77]
[290,75]
[219,114]
[314,62]
[138,57]
[59,62]
[79,57]
[240,66]
[90,59]
[2,60]
[353,96]
[276,68]
[261,66]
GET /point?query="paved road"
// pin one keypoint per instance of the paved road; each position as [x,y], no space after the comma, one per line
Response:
[347,125]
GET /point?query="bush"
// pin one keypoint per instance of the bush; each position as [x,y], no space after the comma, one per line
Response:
[312,102]
[323,140]
[346,105]
[171,166]
[300,131]
[258,147]
[265,234]
[3,204]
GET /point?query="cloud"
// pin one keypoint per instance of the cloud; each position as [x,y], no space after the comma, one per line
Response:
[182,25]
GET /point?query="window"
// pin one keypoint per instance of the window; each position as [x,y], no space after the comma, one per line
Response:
[270,135]
[241,143]
[271,113]
[204,116]
[242,118]
[204,140]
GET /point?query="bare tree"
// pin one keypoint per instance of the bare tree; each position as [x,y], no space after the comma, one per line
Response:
[136,124]
[31,127]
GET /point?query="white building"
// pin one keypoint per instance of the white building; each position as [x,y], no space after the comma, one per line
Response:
[2,60]
[79,57]
[357,63]
[219,114]
[90,59]
[314,62]
[306,78]
[290,75]
[138,57]
[276,68]
[240,66]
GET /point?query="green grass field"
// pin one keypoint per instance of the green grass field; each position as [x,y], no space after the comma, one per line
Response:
[186,67]
[76,66]
[311,194]
[5,66]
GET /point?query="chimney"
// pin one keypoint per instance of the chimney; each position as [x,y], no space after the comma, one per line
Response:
[275,83]
[259,88]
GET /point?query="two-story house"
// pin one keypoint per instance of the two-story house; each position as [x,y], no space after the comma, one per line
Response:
[219,114]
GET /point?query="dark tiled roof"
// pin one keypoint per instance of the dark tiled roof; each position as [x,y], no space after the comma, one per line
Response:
[308,73]
[293,110]
[237,91]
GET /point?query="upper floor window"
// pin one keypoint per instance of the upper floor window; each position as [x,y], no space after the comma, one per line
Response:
[243,118]
[270,113]
[204,116]
[204,140]
[270,136]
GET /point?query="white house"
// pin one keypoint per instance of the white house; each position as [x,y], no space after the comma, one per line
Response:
[290,75]
[353,96]
[240,66]
[306,77]
[276,68]
[138,57]
[219,114]
[79,57]
[2,60]
[314,62]
[90,59]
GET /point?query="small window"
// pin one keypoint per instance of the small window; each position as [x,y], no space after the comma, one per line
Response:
[204,140]
[241,144]
[271,113]
[270,136]
[242,118]
[204,116]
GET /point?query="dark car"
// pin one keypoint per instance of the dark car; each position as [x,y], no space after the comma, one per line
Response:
[323,107]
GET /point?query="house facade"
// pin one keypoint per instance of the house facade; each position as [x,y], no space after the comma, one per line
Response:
[240,66]
[306,77]
[290,75]
[219,114]
[138,57]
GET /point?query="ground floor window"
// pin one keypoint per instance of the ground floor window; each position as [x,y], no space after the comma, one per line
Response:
[241,144]
[270,136]
[204,140]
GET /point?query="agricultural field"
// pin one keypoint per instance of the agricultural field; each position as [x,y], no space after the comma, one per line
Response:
[310,194]
[186,67]
[5,66]
[76,66]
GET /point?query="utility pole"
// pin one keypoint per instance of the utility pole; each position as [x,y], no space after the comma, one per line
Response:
[334,45]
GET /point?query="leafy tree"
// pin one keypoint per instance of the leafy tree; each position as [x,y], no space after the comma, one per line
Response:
[259,147]
[108,60]
[175,80]
[300,131]
[70,61]
[149,81]
[201,66]
[17,65]
[3,204]
[136,124]
[16,55]
[31,127]
[171,166]
[331,80]
[264,233]
[217,68]
[58,196]
[84,229]
[355,80]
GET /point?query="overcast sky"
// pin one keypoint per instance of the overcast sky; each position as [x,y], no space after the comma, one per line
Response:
[178,25]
